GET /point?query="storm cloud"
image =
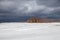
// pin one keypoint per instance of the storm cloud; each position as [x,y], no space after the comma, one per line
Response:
[17,8]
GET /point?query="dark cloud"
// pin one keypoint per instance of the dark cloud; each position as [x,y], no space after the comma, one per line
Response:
[50,3]
[38,8]
[56,11]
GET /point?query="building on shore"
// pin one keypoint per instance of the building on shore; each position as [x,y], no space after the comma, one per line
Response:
[38,20]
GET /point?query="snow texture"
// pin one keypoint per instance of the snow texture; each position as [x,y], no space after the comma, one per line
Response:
[29,31]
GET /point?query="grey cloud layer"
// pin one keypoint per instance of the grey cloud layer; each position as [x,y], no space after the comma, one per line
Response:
[27,7]
[50,3]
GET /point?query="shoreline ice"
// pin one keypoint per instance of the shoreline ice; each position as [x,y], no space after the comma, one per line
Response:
[30,31]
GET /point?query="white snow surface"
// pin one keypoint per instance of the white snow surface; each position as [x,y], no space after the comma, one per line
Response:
[29,31]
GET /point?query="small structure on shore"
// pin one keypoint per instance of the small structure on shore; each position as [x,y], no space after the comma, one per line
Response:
[38,20]
[34,20]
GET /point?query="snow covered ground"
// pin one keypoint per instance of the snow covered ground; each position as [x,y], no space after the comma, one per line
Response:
[29,31]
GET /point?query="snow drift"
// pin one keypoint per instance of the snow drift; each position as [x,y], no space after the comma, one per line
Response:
[30,31]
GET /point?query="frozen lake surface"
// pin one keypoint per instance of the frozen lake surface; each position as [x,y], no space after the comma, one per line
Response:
[29,31]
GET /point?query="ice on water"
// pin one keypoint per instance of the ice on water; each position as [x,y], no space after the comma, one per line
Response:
[30,31]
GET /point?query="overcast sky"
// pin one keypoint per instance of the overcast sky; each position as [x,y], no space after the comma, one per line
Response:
[13,9]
